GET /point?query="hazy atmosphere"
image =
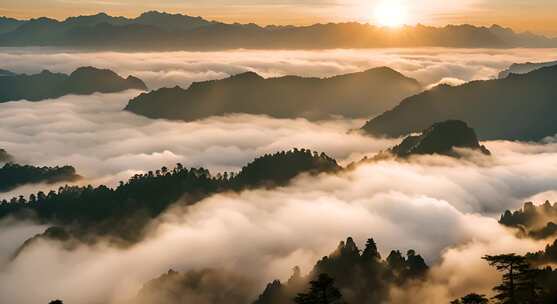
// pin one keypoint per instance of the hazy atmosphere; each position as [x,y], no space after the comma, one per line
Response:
[149,156]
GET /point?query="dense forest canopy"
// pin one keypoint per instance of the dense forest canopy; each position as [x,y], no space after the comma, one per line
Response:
[124,211]
[15,175]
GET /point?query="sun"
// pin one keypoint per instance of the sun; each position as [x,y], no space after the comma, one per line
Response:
[390,13]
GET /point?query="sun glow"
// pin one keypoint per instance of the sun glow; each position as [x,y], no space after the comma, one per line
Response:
[390,13]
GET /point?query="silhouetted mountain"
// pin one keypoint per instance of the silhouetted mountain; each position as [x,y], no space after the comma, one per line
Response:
[279,168]
[14,175]
[519,107]
[440,138]
[9,24]
[177,31]
[5,156]
[83,81]
[537,222]
[361,277]
[352,95]
[171,22]
[523,68]
[122,213]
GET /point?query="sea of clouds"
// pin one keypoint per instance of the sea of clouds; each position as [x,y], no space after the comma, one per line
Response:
[168,69]
[444,208]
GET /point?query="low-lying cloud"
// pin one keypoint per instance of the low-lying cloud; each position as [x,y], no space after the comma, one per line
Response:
[167,69]
[107,145]
[439,206]
[444,208]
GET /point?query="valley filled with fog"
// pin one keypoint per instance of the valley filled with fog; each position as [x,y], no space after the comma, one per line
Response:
[445,208]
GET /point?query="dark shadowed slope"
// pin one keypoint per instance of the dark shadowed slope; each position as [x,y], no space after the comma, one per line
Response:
[14,175]
[84,80]
[161,31]
[124,211]
[440,138]
[351,95]
[519,107]
[523,68]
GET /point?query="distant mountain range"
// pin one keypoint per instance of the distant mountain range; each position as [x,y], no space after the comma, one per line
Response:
[519,107]
[162,31]
[523,68]
[356,95]
[83,81]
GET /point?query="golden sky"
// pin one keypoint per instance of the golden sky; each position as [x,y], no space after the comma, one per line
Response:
[533,15]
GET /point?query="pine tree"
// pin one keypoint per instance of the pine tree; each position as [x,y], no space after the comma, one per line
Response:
[322,291]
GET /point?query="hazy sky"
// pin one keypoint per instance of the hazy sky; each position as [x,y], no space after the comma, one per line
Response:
[533,15]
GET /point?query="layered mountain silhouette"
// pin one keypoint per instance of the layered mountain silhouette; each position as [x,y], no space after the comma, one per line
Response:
[156,30]
[440,138]
[352,95]
[523,68]
[121,213]
[519,107]
[83,81]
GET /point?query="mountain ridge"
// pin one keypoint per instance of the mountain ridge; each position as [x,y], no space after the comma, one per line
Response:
[82,81]
[357,94]
[518,107]
[160,30]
